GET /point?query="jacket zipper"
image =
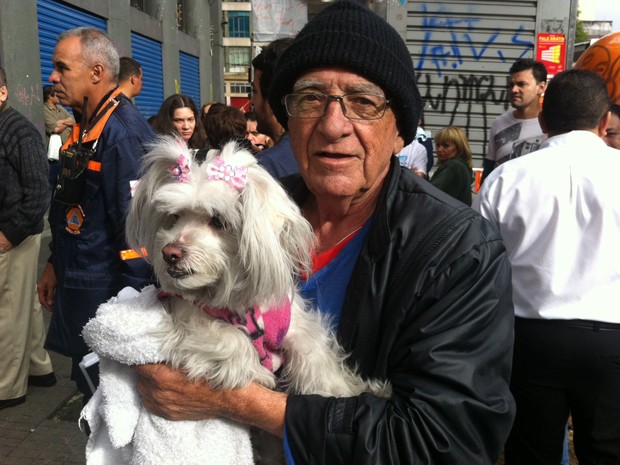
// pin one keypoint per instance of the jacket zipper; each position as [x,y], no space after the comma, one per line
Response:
[428,243]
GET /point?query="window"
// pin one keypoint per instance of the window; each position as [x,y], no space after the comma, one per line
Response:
[240,88]
[238,24]
[138,4]
[180,14]
[237,59]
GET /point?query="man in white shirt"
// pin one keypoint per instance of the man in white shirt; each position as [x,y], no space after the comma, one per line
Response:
[414,156]
[559,219]
[517,132]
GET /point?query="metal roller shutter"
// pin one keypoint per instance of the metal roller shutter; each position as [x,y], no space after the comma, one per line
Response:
[149,54]
[190,77]
[55,17]
[462,50]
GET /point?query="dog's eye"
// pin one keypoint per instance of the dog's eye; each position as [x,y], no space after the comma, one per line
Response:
[169,221]
[217,223]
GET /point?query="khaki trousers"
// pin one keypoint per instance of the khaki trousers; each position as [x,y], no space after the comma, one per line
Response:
[22,332]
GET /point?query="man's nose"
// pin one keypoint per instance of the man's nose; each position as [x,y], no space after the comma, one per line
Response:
[335,98]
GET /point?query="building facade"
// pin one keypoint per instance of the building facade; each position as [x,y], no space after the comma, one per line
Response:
[461,49]
[178,44]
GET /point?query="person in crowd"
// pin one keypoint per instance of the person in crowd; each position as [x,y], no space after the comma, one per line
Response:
[454,174]
[204,109]
[424,138]
[90,261]
[179,115]
[558,218]
[130,77]
[23,202]
[416,284]
[612,136]
[279,159]
[57,119]
[414,157]
[223,123]
[517,132]
[259,140]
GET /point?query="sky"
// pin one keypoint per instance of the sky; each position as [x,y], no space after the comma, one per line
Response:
[601,10]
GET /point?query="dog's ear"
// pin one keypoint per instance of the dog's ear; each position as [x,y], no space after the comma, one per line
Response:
[276,240]
[167,163]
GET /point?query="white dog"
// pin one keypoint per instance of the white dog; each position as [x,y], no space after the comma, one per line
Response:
[227,245]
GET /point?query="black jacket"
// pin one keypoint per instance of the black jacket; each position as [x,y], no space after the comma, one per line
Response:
[429,308]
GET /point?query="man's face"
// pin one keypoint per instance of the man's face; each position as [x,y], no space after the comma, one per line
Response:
[71,76]
[613,132]
[524,90]
[258,139]
[261,106]
[137,84]
[337,156]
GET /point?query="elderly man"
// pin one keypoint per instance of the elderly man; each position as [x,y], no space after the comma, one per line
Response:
[416,283]
[89,261]
[559,218]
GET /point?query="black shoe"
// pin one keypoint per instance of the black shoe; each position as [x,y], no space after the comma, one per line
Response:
[47,380]
[12,402]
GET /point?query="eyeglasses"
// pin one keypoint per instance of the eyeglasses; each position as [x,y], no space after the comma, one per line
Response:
[354,106]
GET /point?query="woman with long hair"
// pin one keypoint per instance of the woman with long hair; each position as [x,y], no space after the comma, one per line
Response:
[179,116]
[454,174]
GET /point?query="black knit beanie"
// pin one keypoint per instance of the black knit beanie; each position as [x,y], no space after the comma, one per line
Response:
[349,35]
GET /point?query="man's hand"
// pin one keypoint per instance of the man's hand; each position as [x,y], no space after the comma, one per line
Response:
[418,172]
[62,124]
[168,393]
[5,244]
[46,288]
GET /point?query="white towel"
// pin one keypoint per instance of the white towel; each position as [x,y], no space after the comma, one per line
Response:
[128,330]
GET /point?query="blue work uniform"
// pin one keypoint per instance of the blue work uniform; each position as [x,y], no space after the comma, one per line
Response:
[87,238]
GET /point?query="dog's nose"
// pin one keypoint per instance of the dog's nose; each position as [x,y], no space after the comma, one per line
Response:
[172,254]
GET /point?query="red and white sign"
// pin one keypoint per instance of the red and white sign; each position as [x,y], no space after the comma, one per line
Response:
[551,50]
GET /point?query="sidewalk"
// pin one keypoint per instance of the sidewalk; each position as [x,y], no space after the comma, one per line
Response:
[44,429]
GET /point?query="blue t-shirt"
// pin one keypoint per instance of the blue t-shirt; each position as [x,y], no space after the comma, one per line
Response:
[326,289]
[327,286]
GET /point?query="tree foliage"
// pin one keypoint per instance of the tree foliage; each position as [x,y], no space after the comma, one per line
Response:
[580,34]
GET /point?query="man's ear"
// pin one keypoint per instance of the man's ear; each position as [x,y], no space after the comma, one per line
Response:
[97,72]
[4,94]
[603,123]
[541,122]
[399,143]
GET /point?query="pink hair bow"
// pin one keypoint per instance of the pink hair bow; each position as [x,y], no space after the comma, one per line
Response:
[235,176]
[180,171]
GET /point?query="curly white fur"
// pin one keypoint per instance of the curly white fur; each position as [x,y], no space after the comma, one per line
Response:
[235,249]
